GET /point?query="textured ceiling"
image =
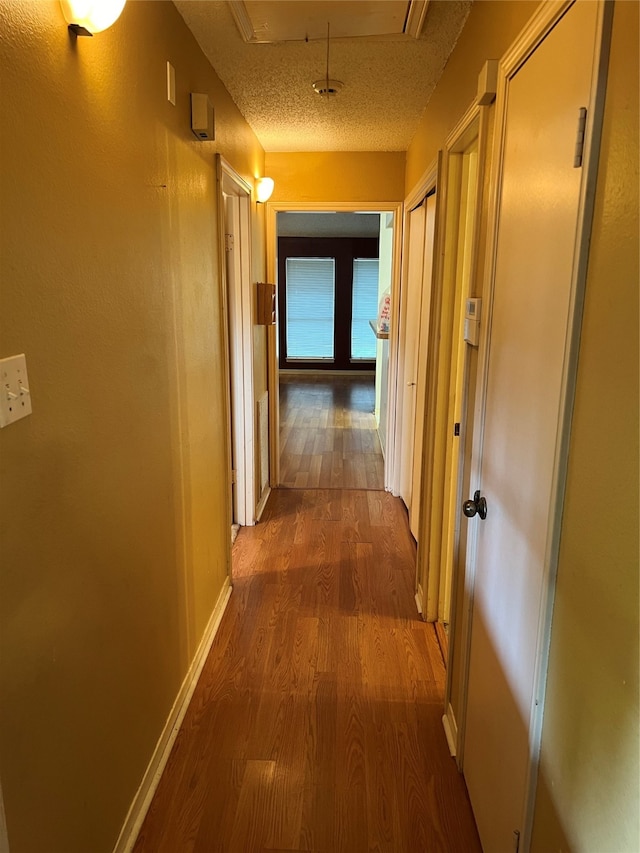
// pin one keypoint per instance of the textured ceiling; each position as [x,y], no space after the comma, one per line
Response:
[387,80]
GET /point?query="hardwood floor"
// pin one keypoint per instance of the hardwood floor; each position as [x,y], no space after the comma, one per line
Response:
[328,436]
[316,724]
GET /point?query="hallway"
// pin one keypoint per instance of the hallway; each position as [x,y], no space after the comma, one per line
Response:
[316,724]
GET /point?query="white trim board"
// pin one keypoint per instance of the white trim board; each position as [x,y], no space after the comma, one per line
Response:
[4,838]
[423,187]
[451,730]
[419,598]
[262,503]
[161,753]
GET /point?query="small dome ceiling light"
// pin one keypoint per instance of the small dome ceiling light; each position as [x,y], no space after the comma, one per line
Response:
[327,86]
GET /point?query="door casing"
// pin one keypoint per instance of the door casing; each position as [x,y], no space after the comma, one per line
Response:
[272,210]
[238,307]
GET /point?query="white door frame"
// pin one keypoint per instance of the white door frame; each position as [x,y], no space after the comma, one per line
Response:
[428,184]
[273,208]
[472,126]
[410,339]
[239,338]
[534,33]
[417,375]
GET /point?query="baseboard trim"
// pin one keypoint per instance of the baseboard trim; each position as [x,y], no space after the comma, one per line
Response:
[451,730]
[4,838]
[262,503]
[155,768]
[419,600]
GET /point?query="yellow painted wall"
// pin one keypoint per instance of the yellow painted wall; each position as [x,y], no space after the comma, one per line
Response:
[337,176]
[490,29]
[115,543]
[588,794]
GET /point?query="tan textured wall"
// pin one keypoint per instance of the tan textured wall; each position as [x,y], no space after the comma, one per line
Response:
[588,790]
[113,503]
[337,176]
[491,27]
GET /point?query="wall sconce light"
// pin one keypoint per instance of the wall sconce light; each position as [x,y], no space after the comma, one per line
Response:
[264,188]
[86,17]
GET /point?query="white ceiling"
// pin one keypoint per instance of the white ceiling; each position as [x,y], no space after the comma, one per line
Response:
[388,79]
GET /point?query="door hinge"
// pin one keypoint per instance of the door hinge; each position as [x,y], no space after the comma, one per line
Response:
[234,477]
[456,429]
[516,840]
[582,124]
[228,242]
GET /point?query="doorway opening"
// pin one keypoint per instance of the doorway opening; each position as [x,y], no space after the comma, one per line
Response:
[328,362]
[457,363]
[450,367]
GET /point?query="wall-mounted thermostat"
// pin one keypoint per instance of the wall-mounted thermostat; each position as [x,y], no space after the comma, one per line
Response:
[473,309]
[202,116]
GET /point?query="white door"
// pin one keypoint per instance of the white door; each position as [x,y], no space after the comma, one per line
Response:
[538,217]
[410,330]
[414,345]
[421,367]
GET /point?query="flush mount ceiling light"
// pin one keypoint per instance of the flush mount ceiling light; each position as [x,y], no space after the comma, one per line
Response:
[86,17]
[327,87]
[264,188]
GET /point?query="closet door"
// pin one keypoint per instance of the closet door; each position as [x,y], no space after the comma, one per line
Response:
[525,408]
[413,354]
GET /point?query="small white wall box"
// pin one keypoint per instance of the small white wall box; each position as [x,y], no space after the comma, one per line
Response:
[488,83]
[202,116]
[473,309]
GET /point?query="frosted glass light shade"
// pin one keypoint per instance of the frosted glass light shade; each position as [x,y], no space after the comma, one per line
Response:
[93,15]
[264,188]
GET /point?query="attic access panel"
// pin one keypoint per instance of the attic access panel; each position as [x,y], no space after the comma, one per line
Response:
[268,21]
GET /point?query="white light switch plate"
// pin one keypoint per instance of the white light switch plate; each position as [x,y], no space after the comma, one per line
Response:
[15,396]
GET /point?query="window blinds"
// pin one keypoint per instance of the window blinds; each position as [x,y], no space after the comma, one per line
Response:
[310,306]
[364,308]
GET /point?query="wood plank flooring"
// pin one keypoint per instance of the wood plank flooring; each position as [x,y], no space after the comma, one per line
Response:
[328,436]
[316,724]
